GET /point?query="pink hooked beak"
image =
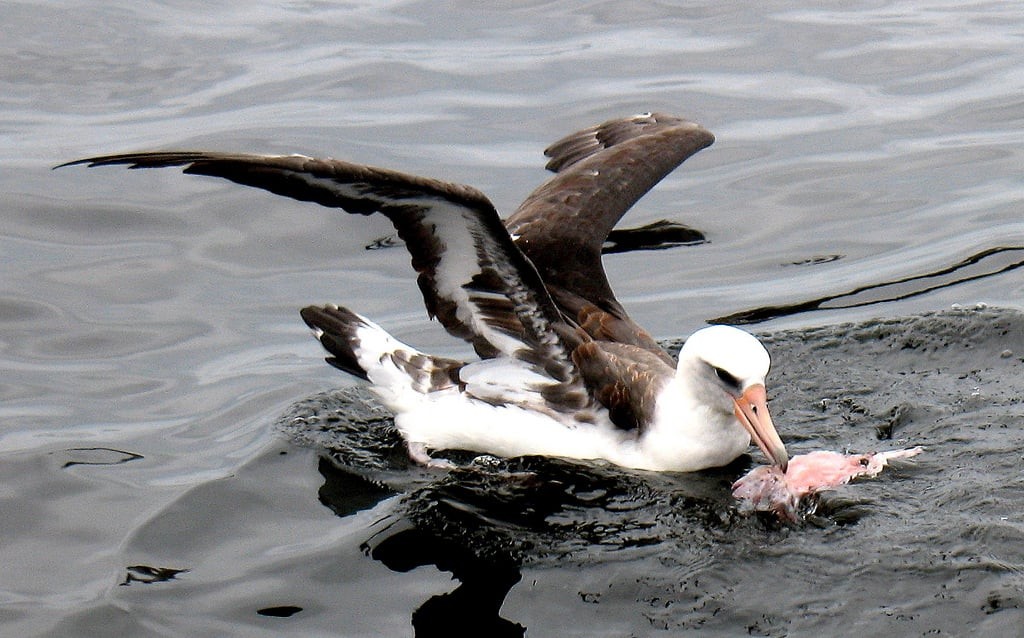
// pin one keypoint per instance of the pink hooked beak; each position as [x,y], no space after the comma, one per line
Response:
[752,412]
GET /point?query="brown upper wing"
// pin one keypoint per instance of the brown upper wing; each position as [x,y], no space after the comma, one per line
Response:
[601,172]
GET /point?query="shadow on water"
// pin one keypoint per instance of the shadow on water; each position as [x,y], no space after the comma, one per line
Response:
[987,263]
[950,381]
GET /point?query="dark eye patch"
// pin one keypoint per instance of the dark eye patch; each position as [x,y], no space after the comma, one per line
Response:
[726,378]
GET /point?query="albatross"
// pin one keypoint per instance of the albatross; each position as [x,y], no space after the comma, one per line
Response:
[562,369]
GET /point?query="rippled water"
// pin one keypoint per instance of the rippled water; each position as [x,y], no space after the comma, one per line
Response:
[867,168]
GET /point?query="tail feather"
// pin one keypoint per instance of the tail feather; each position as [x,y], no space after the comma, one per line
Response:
[335,328]
[363,349]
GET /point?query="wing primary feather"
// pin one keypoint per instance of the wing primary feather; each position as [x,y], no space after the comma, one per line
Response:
[457,243]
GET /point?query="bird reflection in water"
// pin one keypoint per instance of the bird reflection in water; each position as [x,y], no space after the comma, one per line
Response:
[483,522]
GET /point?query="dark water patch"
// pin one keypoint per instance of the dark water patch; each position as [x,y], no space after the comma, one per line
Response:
[97,456]
[657,235]
[281,611]
[816,260]
[147,574]
[474,606]
[345,492]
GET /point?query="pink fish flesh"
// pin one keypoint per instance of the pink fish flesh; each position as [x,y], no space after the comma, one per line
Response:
[766,489]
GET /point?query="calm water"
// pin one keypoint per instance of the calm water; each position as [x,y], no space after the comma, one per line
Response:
[154,481]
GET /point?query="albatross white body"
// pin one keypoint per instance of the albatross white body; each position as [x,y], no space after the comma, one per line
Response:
[563,370]
[501,409]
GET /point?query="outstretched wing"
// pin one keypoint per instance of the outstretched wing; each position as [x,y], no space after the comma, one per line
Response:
[601,172]
[474,279]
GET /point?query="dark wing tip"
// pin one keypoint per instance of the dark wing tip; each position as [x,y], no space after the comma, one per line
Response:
[158,159]
[580,145]
[71,163]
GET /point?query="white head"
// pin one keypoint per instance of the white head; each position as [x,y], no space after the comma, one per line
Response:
[725,368]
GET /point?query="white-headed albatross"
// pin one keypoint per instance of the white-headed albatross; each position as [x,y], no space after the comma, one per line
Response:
[563,370]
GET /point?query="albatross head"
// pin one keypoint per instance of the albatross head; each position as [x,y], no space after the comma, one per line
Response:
[726,368]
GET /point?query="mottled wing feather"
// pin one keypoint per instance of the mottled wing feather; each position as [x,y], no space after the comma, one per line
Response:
[474,279]
[624,378]
[601,172]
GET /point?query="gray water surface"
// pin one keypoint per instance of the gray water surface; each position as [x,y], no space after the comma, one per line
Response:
[867,168]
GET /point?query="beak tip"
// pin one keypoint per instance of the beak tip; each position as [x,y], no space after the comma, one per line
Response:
[780,455]
[752,413]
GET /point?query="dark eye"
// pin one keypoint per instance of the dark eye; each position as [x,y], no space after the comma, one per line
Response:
[727,378]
